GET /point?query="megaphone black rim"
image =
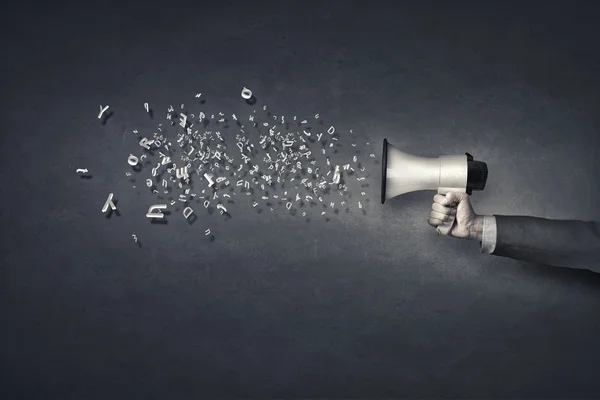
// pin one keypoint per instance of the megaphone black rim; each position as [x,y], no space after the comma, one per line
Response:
[383,170]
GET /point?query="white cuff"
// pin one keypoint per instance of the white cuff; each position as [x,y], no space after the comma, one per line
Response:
[489,235]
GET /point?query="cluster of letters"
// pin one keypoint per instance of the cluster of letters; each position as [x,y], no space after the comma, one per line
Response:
[271,159]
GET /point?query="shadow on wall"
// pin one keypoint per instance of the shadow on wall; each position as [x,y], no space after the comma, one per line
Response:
[566,276]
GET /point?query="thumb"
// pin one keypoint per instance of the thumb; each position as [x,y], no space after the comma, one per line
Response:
[454,198]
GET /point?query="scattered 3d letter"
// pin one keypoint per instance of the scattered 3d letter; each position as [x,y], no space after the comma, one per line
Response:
[182,120]
[187,212]
[336,175]
[154,211]
[246,93]
[102,109]
[109,203]
[209,179]
[132,160]
[181,172]
[145,143]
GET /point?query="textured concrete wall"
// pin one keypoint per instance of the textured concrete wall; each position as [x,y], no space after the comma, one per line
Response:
[367,304]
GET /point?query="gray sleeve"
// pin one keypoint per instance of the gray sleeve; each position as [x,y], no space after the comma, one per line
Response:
[561,243]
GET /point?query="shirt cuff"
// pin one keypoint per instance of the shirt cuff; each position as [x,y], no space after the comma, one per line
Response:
[489,234]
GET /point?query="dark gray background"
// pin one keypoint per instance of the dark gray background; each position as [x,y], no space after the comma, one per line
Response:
[371,305]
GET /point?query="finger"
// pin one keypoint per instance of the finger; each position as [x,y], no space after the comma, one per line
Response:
[454,198]
[439,215]
[434,222]
[440,199]
[444,210]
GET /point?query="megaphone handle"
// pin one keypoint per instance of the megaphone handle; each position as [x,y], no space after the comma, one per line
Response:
[445,228]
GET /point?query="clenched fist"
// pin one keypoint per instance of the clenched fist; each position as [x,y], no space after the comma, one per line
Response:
[468,224]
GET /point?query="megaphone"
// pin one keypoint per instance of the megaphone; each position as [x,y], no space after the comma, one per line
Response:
[402,173]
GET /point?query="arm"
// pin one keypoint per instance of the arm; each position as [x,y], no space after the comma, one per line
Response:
[565,243]
[561,243]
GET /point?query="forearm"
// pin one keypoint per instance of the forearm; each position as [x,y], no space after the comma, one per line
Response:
[565,243]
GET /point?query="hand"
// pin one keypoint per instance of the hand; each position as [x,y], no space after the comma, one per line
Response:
[468,225]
